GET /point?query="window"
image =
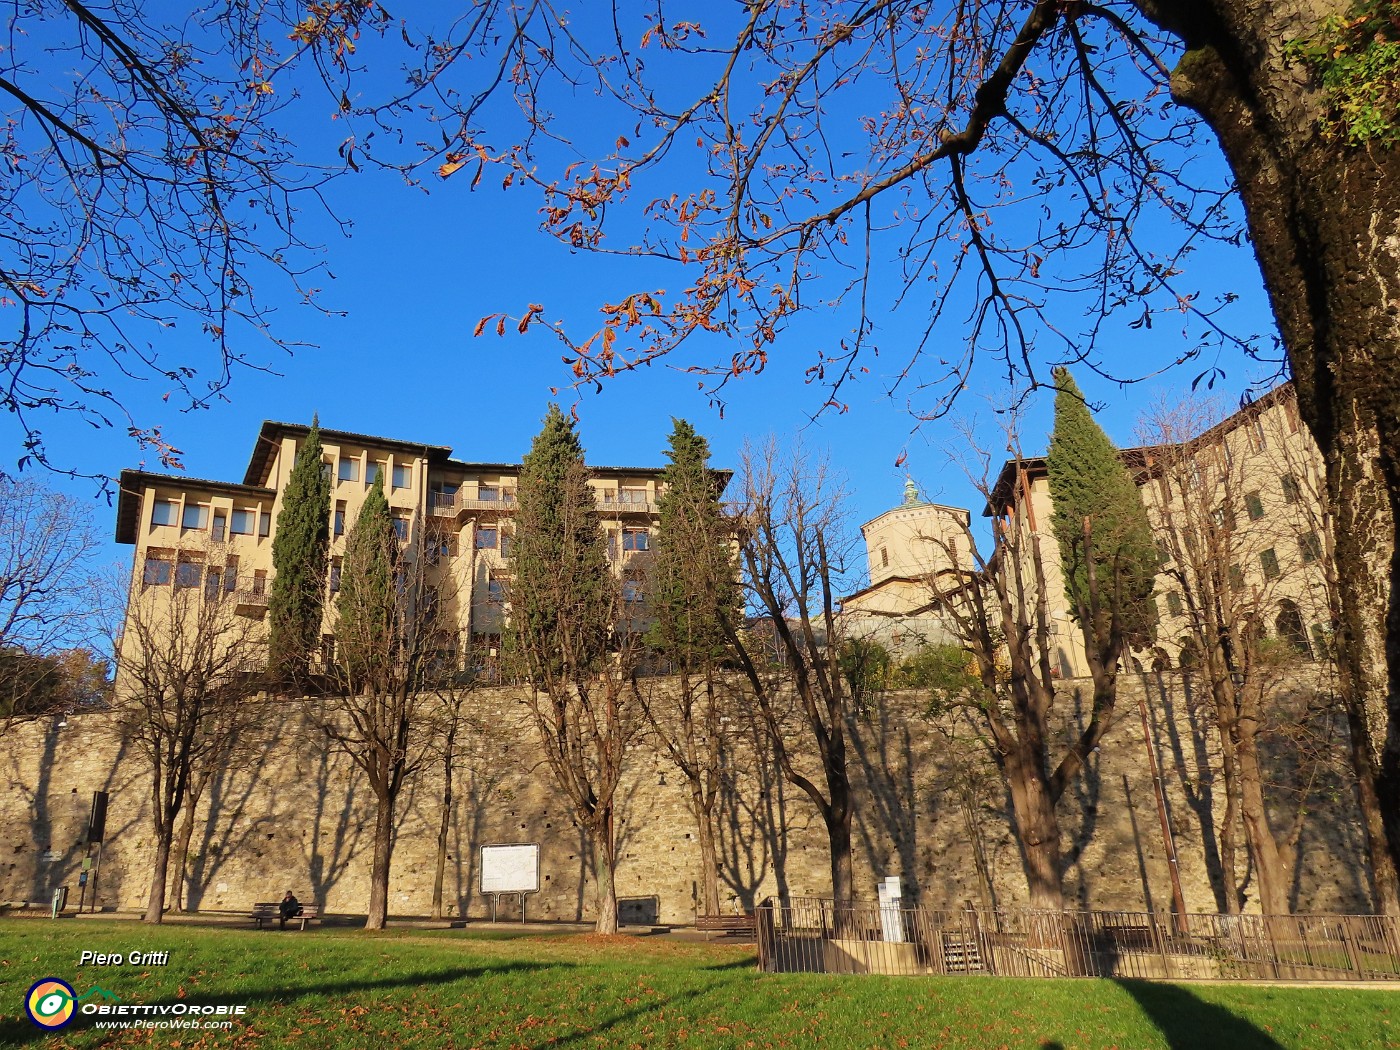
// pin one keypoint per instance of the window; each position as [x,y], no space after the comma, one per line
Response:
[403,477]
[335,575]
[260,581]
[231,574]
[163,512]
[195,517]
[374,472]
[1289,485]
[632,496]
[401,527]
[486,538]
[339,526]
[213,584]
[220,526]
[441,546]
[884,557]
[495,590]
[1269,560]
[607,495]
[635,540]
[612,544]
[188,572]
[157,571]
[265,523]
[242,523]
[1223,518]
[507,542]
[1310,547]
[1173,603]
[1256,436]
[349,469]
[327,469]
[1164,554]
[1236,577]
[490,493]
[631,590]
[1253,505]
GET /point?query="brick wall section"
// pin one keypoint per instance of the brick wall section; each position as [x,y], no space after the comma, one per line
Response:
[297,817]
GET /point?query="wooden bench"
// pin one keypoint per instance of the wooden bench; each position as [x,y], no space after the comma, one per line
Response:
[267,912]
[726,925]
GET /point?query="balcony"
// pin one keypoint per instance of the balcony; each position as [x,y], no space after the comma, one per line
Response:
[250,602]
[610,506]
[457,504]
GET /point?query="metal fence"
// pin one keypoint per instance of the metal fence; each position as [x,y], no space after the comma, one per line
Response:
[812,935]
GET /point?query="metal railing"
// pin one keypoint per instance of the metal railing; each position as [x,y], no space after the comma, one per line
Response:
[811,935]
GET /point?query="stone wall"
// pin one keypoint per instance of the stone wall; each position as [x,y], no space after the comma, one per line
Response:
[295,814]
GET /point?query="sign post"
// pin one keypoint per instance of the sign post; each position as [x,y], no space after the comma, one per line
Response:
[510,868]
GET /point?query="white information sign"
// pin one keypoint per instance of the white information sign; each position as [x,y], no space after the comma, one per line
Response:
[510,869]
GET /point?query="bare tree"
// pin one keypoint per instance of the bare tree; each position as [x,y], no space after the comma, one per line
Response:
[794,548]
[47,543]
[997,605]
[188,667]
[386,632]
[1198,497]
[147,186]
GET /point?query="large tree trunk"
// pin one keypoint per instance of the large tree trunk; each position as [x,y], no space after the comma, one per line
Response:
[1229,823]
[605,862]
[155,905]
[1385,886]
[1037,829]
[1263,847]
[1325,221]
[444,829]
[709,854]
[378,916]
[838,814]
[180,861]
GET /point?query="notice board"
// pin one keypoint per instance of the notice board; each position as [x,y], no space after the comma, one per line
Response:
[510,868]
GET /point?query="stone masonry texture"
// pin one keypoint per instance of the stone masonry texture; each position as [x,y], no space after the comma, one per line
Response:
[292,813]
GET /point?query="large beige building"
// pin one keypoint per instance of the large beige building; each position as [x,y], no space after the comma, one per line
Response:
[457,515]
[1242,495]
[905,548]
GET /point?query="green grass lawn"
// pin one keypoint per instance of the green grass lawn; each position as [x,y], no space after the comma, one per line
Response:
[347,988]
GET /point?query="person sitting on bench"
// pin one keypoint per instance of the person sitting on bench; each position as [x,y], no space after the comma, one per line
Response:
[289,908]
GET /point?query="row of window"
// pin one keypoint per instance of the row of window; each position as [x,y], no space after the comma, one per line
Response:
[196,517]
[1309,549]
[348,469]
[162,568]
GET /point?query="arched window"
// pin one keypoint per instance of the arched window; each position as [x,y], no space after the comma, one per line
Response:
[1289,628]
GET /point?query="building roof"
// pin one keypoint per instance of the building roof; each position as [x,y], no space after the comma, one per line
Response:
[133,484]
[268,443]
[960,512]
[1139,459]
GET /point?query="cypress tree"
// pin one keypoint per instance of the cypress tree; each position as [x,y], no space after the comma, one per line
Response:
[561,603]
[367,604]
[299,558]
[1088,482]
[691,582]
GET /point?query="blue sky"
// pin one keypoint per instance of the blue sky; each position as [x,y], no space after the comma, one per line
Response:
[420,268]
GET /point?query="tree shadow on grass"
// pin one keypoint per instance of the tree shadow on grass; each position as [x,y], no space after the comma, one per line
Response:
[20,1030]
[1188,1022]
[749,962]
